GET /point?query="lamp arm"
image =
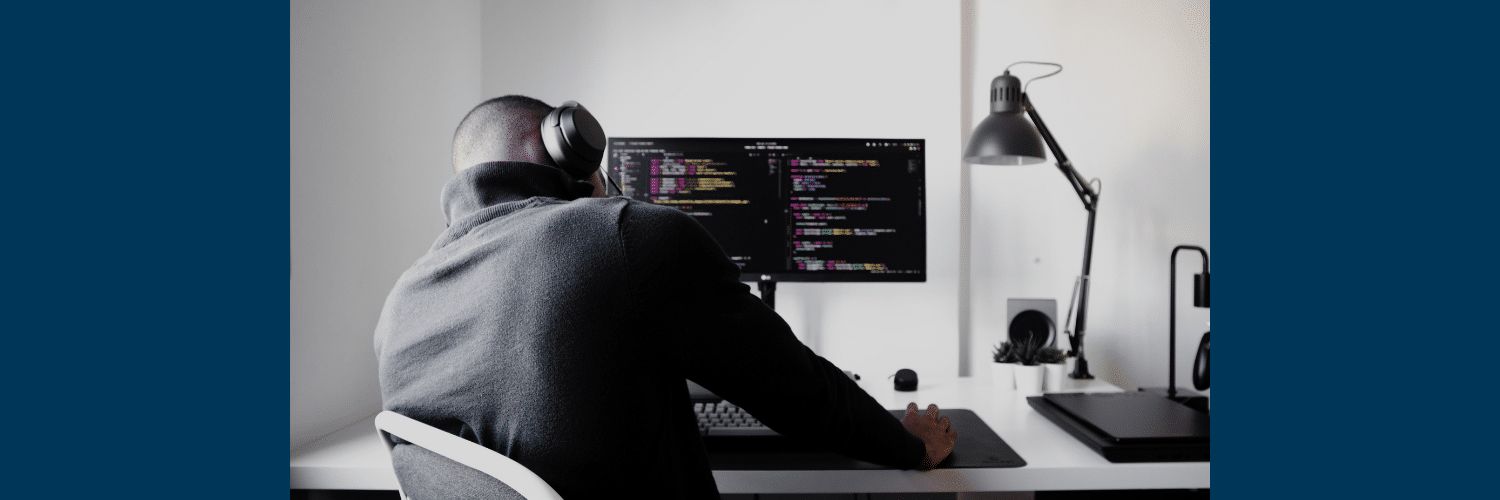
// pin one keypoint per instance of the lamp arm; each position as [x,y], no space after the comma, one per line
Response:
[1081,366]
[1086,194]
[1090,199]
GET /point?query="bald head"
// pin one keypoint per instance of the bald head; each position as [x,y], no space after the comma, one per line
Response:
[505,128]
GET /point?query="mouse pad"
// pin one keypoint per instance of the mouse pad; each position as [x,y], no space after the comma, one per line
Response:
[977,446]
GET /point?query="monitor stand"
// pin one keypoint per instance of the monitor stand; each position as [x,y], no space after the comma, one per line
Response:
[768,293]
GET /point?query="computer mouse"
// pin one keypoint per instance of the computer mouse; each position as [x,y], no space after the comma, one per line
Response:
[906,380]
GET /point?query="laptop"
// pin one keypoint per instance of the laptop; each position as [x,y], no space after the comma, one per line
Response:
[1129,426]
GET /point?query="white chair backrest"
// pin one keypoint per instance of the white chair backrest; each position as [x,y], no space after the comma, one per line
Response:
[465,452]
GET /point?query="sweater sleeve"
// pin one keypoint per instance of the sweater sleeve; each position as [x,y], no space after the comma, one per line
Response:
[727,340]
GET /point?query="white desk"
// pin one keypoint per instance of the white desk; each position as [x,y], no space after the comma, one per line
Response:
[354,458]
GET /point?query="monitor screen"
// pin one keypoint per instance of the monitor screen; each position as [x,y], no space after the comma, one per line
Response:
[791,209]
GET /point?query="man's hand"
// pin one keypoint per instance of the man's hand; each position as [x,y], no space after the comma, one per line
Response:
[935,433]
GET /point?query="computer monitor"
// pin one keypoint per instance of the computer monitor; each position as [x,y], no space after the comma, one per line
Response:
[791,209]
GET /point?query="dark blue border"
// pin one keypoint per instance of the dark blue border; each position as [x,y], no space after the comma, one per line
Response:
[147,186]
[1354,149]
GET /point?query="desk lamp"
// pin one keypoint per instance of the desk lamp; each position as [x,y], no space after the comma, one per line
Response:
[1007,138]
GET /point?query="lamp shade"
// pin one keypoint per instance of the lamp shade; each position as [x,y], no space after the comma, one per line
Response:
[1005,137]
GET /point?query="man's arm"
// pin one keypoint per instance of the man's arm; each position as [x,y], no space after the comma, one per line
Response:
[731,343]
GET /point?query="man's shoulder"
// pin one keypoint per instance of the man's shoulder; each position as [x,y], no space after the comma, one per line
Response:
[657,221]
[671,246]
[650,211]
[638,221]
[625,209]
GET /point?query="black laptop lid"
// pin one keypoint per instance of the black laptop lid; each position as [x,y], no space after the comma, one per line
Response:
[1134,416]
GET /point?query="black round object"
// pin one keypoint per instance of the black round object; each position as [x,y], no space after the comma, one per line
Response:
[574,139]
[585,135]
[1032,323]
[1200,365]
[906,379]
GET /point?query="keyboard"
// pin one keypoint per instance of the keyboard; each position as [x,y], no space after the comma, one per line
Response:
[724,419]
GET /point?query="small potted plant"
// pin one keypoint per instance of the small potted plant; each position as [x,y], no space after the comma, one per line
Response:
[1029,369]
[1002,371]
[1052,359]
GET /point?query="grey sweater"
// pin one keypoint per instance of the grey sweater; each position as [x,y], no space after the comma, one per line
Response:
[558,329]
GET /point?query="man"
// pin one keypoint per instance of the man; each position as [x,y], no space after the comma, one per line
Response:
[557,326]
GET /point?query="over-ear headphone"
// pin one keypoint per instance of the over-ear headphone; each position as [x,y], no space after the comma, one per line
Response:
[574,139]
[1200,365]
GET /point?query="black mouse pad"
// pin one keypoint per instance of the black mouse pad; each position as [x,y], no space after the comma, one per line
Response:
[977,446]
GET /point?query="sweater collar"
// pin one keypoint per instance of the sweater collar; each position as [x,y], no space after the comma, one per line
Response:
[497,182]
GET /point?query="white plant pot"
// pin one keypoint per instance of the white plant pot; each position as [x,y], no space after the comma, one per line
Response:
[1028,380]
[1055,376]
[1004,376]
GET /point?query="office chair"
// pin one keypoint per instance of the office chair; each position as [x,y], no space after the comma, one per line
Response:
[463,451]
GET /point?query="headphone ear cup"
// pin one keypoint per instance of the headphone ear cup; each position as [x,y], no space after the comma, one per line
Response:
[1200,365]
[574,139]
[552,138]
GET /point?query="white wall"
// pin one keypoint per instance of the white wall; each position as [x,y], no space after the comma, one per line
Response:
[376,90]
[377,87]
[772,69]
[1131,107]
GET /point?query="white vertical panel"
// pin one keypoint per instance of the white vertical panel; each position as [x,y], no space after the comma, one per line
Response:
[376,90]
